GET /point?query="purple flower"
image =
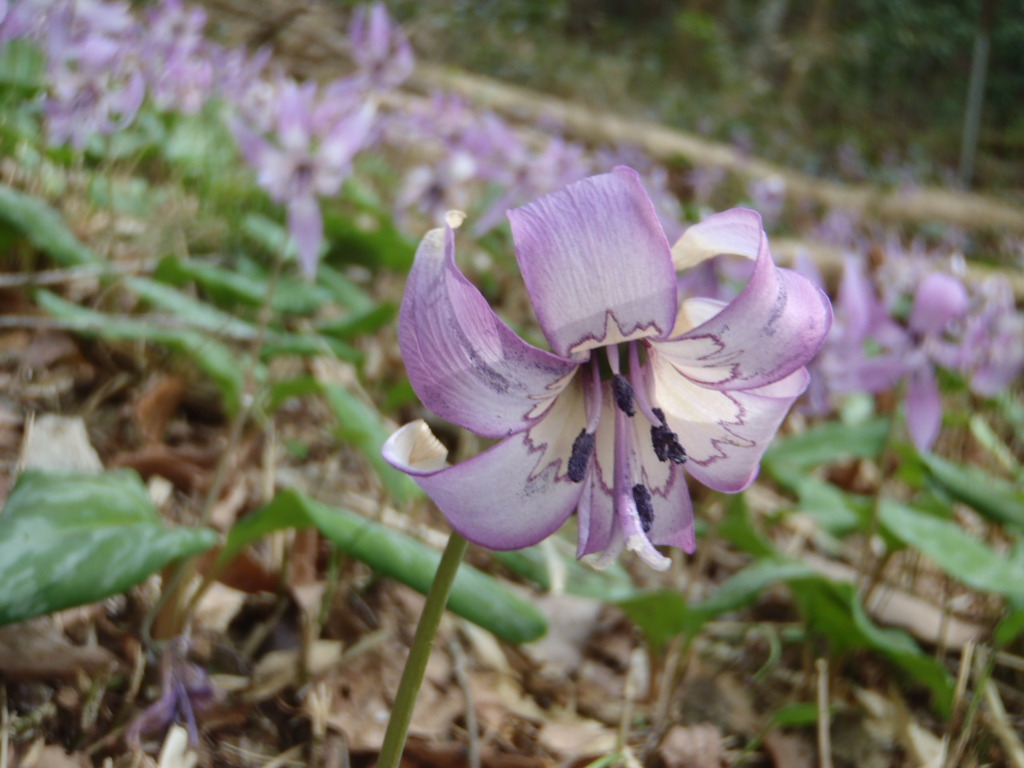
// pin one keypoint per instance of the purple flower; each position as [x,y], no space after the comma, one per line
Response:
[380,48]
[993,340]
[636,385]
[178,64]
[311,154]
[95,84]
[939,300]
[185,689]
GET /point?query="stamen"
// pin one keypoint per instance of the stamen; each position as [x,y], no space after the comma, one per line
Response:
[666,442]
[582,448]
[644,508]
[623,392]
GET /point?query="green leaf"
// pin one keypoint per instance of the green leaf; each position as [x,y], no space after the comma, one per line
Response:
[994,498]
[835,611]
[206,317]
[22,65]
[610,584]
[795,715]
[358,324]
[661,616]
[212,357]
[44,228]
[197,314]
[362,426]
[953,549]
[67,539]
[737,528]
[245,283]
[836,512]
[475,596]
[826,443]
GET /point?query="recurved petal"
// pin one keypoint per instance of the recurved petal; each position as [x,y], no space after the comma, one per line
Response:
[510,496]
[596,263]
[737,231]
[464,363]
[924,408]
[774,327]
[307,227]
[724,432]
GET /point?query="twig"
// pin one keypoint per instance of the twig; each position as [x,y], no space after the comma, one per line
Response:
[1001,727]
[966,730]
[5,726]
[72,274]
[824,716]
[462,678]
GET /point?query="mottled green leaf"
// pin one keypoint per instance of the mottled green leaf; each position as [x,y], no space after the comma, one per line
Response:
[211,356]
[361,425]
[995,498]
[67,539]
[828,442]
[475,595]
[44,228]
[953,549]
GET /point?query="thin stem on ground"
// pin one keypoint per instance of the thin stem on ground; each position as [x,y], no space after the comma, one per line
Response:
[419,653]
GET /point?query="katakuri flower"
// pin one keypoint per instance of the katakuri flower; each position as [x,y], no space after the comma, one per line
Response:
[637,387]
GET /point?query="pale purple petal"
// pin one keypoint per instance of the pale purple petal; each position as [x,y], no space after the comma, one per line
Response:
[294,116]
[737,231]
[924,408]
[307,228]
[938,300]
[724,432]
[510,496]
[673,513]
[464,363]
[595,516]
[596,263]
[774,327]
[253,146]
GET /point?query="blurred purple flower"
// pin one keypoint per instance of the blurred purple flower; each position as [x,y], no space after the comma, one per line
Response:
[940,299]
[380,48]
[869,351]
[178,61]
[185,690]
[96,86]
[599,424]
[768,197]
[311,153]
[993,340]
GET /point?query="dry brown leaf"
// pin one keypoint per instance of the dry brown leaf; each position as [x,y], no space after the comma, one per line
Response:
[789,750]
[719,697]
[571,621]
[576,737]
[189,469]
[156,404]
[53,756]
[59,442]
[358,707]
[693,746]
[278,670]
[37,649]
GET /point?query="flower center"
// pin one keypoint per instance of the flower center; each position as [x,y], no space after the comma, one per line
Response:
[630,394]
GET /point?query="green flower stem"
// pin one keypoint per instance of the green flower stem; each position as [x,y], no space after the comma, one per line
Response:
[419,653]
